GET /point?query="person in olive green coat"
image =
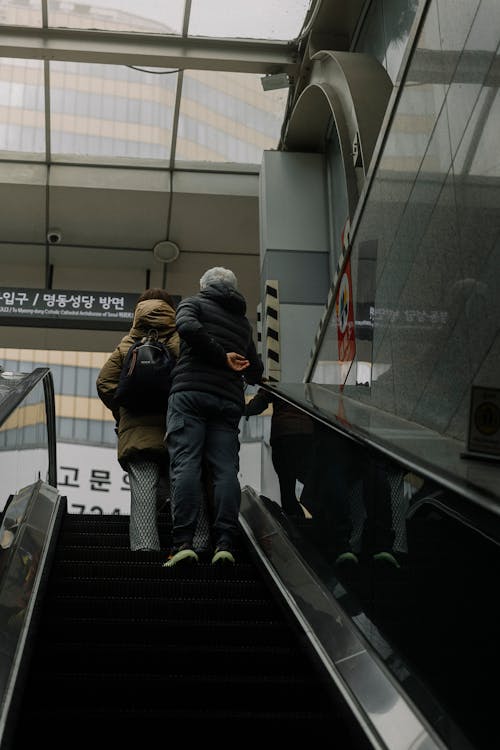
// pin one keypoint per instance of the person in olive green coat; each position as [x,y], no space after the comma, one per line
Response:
[141,437]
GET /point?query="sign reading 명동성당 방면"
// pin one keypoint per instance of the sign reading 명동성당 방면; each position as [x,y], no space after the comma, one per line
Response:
[62,308]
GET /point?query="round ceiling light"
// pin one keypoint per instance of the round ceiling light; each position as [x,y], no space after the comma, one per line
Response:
[166,251]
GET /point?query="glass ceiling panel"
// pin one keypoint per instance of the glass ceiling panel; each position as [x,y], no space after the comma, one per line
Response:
[22,108]
[105,113]
[260,19]
[110,111]
[148,16]
[18,13]
[227,117]
[248,19]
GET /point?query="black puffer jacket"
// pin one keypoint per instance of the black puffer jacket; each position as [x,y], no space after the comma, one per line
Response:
[210,324]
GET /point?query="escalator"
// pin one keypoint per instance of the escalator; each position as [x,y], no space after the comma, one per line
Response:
[103,647]
[125,650]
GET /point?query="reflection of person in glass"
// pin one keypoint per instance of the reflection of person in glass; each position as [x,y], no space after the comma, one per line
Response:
[18,581]
[291,441]
[341,464]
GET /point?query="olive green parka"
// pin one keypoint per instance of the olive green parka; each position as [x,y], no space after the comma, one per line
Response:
[140,436]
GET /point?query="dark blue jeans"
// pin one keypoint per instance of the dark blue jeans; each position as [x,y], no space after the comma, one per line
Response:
[203,427]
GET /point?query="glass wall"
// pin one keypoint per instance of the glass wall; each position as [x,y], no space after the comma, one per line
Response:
[24,442]
[412,563]
[431,225]
[385,32]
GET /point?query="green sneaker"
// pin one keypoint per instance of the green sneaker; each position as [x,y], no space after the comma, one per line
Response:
[223,556]
[386,557]
[346,557]
[183,554]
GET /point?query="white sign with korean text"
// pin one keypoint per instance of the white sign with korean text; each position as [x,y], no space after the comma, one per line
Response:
[92,479]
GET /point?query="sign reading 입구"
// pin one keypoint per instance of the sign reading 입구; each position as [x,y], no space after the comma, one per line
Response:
[66,308]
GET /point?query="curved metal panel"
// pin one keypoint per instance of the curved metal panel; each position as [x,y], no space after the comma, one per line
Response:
[307,130]
[354,89]
[363,88]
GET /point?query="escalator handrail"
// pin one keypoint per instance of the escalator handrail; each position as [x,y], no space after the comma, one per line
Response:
[33,514]
[482,499]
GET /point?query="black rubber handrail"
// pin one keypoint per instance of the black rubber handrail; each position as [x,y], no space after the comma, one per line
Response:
[481,500]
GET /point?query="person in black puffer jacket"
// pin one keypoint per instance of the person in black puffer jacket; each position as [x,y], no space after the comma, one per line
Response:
[217,356]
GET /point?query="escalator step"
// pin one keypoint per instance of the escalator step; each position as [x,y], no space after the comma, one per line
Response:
[133,607]
[116,554]
[232,691]
[105,523]
[169,658]
[100,542]
[145,570]
[159,587]
[93,539]
[106,631]
[115,727]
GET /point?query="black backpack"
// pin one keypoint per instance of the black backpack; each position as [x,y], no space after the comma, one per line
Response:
[146,376]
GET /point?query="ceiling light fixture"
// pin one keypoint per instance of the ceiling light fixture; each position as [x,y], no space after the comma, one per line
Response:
[166,251]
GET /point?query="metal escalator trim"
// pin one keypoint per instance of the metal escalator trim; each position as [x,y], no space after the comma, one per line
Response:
[440,504]
[42,510]
[387,716]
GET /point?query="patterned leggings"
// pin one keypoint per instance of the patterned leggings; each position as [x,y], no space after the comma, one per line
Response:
[145,485]
[144,477]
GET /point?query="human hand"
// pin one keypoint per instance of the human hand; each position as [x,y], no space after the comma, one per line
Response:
[256,405]
[236,361]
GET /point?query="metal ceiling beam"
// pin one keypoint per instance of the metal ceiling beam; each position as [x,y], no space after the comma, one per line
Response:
[152,50]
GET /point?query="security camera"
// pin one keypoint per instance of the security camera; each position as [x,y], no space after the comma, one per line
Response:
[54,236]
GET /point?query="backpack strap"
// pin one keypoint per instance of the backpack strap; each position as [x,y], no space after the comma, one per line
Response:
[153,335]
[156,337]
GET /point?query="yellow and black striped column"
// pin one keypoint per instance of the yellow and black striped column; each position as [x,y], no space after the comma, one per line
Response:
[272,331]
[259,328]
